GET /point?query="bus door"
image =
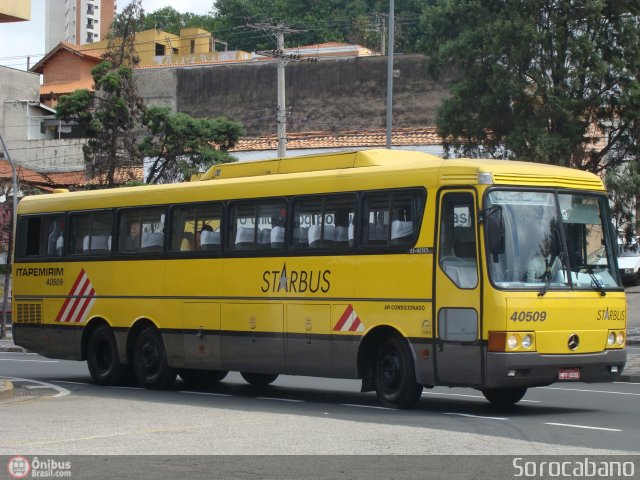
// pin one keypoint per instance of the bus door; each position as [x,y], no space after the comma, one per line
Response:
[458,351]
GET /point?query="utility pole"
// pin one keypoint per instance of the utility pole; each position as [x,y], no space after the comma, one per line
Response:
[14,213]
[282,108]
[381,26]
[278,32]
[390,73]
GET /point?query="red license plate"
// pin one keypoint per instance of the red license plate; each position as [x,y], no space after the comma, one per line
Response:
[569,374]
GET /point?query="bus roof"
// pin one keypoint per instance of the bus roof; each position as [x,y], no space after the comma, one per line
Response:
[356,168]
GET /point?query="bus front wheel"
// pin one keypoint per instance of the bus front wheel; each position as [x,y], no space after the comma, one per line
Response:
[504,396]
[150,361]
[259,379]
[103,359]
[394,374]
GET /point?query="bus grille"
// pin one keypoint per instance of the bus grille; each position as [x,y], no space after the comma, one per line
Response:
[29,313]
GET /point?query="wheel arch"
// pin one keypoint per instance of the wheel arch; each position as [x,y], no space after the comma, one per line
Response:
[367,350]
[138,325]
[88,329]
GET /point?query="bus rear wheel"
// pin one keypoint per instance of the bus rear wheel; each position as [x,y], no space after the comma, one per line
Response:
[259,379]
[394,374]
[150,361]
[103,359]
[202,378]
[504,396]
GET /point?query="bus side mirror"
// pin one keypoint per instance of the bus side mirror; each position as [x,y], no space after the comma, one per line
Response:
[494,229]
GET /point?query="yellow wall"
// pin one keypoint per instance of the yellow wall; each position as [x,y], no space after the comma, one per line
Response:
[200,40]
[145,43]
[15,11]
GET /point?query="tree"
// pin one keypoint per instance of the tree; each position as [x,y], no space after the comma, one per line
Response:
[550,81]
[351,21]
[622,185]
[168,19]
[180,145]
[112,115]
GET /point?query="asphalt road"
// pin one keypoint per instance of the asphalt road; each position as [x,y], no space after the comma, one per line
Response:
[56,410]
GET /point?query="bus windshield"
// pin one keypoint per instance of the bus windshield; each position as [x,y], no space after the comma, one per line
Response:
[552,240]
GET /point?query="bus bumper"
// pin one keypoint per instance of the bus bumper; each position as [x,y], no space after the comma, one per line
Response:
[51,341]
[504,370]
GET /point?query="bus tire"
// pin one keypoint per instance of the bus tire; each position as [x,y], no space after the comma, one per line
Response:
[150,361]
[103,359]
[259,379]
[504,397]
[202,378]
[394,374]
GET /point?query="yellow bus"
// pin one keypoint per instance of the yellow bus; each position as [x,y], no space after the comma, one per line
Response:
[398,268]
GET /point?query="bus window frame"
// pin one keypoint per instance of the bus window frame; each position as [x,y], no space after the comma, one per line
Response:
[138,253]
[169,226]
[20,248]
[230,251]
[420,194]
[330,250]
[74,213]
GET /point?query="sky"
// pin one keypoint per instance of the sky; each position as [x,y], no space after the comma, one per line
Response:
[20,40]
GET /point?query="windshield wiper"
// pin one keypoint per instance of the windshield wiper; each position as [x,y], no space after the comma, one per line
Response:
[552,274]
[596,282]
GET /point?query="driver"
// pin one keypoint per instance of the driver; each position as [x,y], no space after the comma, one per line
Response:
[542,265]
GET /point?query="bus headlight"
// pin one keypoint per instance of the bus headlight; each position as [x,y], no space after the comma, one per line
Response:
[616,339]
[511,342]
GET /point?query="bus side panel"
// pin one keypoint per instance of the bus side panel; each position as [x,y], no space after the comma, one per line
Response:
[201,335]
[308,339]
[253,339]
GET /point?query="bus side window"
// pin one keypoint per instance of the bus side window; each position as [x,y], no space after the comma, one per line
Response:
[196,228]
[242,226]
[323,222]
[391,218]
[141,230]
[90,233]
[41,236]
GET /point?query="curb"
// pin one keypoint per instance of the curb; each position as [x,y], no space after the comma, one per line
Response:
[13,349]
[6,389]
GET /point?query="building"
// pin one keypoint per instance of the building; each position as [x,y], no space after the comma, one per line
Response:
[65,69]
[15,11]
[77,21]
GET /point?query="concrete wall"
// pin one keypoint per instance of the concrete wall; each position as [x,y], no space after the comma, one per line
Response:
[16,85]
[20,126]
[157,86]
[336,94]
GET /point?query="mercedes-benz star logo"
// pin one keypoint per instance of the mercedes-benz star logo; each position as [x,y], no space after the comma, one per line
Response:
[574,341]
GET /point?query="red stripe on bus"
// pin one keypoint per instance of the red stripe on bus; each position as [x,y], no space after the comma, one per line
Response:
[83,306]
[69,297]
[343,319]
